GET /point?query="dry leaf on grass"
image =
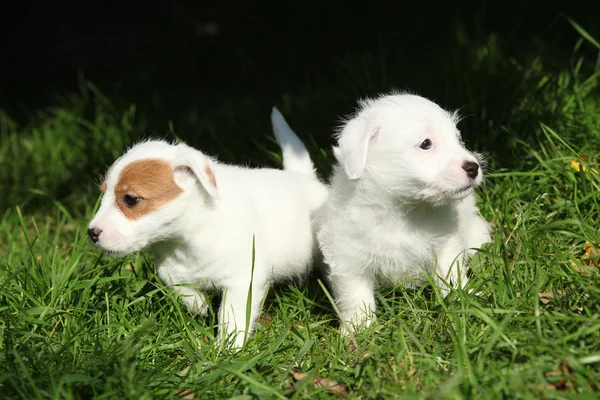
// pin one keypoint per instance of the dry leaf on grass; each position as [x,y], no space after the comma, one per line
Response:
[545,297]
[320,382]
[562,386]
[53,331]
[562,370]
[264,320]
[584,269]
[186,394]
[591,255]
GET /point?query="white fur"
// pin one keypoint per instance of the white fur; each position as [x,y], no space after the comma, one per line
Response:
[204,237]
[397,212]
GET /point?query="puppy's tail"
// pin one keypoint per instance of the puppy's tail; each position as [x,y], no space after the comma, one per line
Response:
[295,155]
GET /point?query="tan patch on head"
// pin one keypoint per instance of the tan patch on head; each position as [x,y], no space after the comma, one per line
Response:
[149,180]
[211,176]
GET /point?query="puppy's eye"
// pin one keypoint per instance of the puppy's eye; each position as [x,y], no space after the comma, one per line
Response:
[426,144]
[131,200]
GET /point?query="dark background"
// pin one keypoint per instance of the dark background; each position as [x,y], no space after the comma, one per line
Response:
[225,63]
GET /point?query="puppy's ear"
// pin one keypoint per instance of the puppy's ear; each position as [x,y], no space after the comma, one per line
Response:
[193,163]
[354,143]
[337,153]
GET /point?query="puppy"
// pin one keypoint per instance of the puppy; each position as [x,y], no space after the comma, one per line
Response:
[202,217]
[401,203]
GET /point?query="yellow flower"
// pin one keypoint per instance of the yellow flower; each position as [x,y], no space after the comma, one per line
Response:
[576,166]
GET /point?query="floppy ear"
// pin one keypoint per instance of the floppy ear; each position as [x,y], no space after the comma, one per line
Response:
[353,146]
[192,162]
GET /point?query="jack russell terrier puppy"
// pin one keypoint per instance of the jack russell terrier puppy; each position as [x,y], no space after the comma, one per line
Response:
[401,203]
[202,217]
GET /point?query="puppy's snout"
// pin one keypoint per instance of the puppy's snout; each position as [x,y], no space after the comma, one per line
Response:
[94,234]
[471,168]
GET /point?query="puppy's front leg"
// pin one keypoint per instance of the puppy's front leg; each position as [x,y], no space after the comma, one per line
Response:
[195,301]
[355,299]
[451,267]
[476,233]
[234,310]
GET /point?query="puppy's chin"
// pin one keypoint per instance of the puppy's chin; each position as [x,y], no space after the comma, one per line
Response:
[122,252]
[117,254]
[439,197]
[459,194]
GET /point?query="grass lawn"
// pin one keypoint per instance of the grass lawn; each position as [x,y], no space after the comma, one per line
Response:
[77,324]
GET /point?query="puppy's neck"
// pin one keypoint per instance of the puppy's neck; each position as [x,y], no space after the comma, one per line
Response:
[420,207]
[373,195]
[197,214]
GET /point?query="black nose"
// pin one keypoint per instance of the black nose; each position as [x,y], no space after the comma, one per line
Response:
[94,234]
[472,169]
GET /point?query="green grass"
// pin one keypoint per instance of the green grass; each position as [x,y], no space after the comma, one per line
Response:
[76,324]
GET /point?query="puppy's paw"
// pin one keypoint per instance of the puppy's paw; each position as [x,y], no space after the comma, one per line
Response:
[196,303]
[358,321]
[231,341]
[444,292]
[200,310]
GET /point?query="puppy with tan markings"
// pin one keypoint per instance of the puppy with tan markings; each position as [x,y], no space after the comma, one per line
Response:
[401,203]
[201,218]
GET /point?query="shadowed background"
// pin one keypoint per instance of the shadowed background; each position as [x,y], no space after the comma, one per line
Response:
[209,71]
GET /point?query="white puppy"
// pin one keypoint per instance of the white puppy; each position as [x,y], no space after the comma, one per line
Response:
[401,203]
[201,218]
